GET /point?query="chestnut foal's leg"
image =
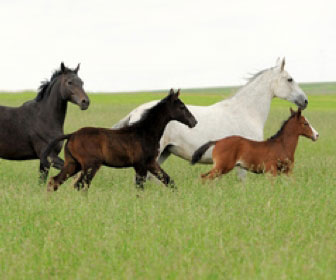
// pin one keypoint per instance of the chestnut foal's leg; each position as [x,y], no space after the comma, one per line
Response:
[159,173]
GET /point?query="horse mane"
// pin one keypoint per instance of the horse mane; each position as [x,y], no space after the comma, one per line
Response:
[276,135]
[256,75]
[147,115]
[45,87]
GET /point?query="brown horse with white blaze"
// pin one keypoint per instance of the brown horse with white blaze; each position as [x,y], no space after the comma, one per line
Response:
[275,155]
[134,146]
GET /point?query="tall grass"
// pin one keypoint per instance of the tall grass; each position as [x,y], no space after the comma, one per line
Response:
[259,229]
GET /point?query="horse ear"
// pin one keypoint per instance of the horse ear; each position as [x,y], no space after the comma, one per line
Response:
[299,112]
[171,92]
[77,68]
[62,67]
[277,62]
[178,92]
[283,62]
[291,111]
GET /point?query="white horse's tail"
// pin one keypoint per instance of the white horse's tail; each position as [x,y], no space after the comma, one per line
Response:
[123,122]
[201,151]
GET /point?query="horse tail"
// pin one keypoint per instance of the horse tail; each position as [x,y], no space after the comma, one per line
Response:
[201,151]
[51,145]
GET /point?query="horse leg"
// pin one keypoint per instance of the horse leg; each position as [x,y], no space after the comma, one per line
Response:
[69,169]
[57,162]
[44,171]
[159,173]
[53,160]
[241,173]
[140,176]
[86,177]
[160,159]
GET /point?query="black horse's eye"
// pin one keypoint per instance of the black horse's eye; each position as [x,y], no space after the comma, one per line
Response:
[69,83]
[290,80]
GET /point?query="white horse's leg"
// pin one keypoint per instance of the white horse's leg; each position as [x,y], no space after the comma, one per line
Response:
[241,173]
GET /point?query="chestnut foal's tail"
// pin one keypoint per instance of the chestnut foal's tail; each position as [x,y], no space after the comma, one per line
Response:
[51,145]
[201,151]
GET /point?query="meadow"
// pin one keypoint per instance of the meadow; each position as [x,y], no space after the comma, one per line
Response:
[226,229]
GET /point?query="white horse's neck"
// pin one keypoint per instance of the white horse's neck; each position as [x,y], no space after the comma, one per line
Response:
[256,96]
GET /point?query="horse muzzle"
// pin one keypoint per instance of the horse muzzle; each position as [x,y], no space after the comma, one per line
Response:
[192,123]
[302,102]
[84,104]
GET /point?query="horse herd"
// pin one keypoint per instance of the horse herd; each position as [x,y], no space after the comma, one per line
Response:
[153,131]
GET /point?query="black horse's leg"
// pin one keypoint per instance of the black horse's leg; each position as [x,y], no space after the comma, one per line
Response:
[44,170]
[56,162]
[159,173]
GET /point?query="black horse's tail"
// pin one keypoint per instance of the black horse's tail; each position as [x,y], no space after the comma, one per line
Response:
[51,145]
[201,151]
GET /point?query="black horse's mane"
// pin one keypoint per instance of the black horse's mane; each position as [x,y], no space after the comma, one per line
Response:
[44,88]
[147,116]
[276,135]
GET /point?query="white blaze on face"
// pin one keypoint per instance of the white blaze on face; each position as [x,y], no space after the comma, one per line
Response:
[315,133]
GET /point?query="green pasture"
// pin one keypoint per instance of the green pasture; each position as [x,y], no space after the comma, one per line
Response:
[227,229]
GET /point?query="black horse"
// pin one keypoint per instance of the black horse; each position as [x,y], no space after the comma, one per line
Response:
[25,131]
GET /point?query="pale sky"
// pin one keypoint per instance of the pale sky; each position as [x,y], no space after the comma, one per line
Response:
[134,45]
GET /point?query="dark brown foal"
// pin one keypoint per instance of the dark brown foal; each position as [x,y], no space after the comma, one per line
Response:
[134,146]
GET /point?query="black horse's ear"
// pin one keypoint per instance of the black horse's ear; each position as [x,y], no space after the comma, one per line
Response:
[178,92]
[171,92]
[77,68]
[62,67]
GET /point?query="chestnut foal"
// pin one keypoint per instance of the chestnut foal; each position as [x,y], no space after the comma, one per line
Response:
[275,155]
[134,146]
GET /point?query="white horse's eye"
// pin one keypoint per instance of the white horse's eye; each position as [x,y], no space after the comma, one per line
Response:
[290,80]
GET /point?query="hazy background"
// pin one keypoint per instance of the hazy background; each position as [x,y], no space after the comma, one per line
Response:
[139,45]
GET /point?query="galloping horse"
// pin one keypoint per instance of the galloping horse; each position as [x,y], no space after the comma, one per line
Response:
[275,155]
[243,114]
[133,146]
[26,130]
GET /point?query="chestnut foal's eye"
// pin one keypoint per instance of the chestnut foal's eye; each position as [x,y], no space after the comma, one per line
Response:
[306,123]
[290,80]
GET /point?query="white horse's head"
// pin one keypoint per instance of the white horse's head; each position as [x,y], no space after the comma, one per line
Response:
[285,87]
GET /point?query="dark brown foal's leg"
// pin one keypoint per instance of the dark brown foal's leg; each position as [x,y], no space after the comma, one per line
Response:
[140,176]
[159,173]
[86,177]
[70,168]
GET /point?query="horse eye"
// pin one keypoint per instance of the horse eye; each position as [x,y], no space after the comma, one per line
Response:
[290,80]
[69,83]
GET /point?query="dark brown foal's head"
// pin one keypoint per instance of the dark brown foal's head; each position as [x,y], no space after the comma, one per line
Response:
[178,111]
[302,125]
[72,87]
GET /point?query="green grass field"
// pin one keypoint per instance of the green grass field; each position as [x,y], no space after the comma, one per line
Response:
[259,229]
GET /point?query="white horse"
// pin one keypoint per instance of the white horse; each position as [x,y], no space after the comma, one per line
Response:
[244,114]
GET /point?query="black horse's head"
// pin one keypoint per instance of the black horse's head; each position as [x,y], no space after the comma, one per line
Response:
[72,87]
[178,111]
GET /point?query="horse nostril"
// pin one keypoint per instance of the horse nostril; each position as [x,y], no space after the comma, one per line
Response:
[306,101]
